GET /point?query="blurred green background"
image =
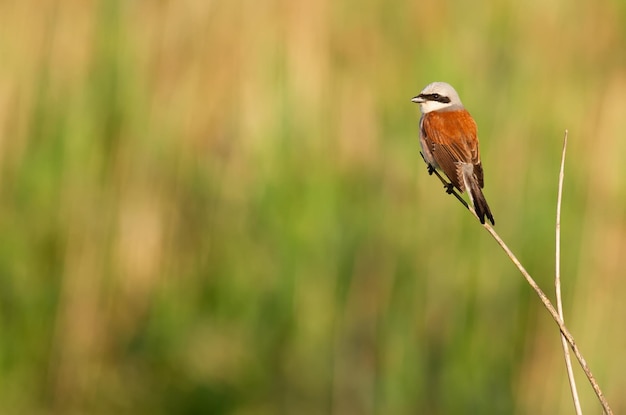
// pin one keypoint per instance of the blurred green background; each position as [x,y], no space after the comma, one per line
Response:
[219,207]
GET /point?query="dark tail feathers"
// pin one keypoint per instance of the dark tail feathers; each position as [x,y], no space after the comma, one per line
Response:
[480,203]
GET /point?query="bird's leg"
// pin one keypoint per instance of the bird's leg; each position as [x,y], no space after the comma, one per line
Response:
[431,169]
[448,186]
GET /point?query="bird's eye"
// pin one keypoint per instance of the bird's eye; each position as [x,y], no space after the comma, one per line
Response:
[436,96]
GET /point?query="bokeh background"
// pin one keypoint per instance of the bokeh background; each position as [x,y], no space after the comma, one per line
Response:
[219,207]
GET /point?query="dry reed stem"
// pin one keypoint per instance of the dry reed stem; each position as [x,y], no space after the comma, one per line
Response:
[544,299]
[548,305]
[557,283]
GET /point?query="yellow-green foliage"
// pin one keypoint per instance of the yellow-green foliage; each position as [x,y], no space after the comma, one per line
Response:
[219,207]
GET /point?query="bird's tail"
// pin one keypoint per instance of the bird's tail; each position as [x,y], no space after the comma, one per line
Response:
[480,203]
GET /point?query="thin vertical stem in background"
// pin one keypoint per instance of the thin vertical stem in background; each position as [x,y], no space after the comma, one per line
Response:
[557,283]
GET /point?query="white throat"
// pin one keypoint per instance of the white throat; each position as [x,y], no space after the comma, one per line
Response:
[429,106]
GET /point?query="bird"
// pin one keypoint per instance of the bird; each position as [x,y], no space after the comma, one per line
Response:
[449,141]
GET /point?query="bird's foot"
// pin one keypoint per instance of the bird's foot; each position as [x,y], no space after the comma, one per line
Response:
[431,169]
[449,188]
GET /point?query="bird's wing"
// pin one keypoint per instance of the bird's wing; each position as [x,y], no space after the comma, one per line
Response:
[451,137]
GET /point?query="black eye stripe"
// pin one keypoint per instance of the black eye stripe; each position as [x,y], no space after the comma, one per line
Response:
[435,97]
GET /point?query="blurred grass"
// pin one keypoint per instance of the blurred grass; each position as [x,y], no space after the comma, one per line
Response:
[219,207]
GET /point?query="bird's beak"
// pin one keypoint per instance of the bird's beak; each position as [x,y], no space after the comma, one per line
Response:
[418,99]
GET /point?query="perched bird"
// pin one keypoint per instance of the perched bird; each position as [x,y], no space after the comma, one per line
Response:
[449,143]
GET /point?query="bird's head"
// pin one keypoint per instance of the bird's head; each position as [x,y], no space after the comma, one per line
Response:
[437,96]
